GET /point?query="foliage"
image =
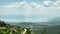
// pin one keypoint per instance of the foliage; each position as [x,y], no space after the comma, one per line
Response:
[12,29]
[2,23]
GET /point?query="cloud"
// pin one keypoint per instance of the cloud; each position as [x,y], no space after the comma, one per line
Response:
[57,3]
[47,3]
[31,8]
[31,11]
[23,7]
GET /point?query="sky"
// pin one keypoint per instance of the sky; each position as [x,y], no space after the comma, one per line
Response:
[29,10]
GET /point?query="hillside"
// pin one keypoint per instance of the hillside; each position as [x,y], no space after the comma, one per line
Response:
[13,29]
[28,28]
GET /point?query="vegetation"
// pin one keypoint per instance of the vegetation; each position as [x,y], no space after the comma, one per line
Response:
[12,29]
[44,31]
[2,23]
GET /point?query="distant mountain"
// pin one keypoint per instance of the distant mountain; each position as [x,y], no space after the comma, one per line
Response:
[55,21]
[30,24]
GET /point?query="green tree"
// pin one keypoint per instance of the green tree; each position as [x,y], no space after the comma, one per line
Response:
[2,23]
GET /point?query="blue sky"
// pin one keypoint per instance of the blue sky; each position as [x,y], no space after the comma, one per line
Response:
[11,1]
[29,10]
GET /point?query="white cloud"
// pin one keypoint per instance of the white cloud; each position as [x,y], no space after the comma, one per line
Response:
[57,3]
[47,3]
[31,9]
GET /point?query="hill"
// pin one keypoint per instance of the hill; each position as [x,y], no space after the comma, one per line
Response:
[13,29]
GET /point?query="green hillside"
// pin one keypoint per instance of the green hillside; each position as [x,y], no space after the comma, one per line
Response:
[13,29]
[36,29]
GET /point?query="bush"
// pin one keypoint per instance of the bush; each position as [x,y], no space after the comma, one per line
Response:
[2,23]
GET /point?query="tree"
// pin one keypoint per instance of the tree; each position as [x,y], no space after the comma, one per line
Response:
[2,23]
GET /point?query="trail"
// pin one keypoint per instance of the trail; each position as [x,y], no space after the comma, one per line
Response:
[24,31]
